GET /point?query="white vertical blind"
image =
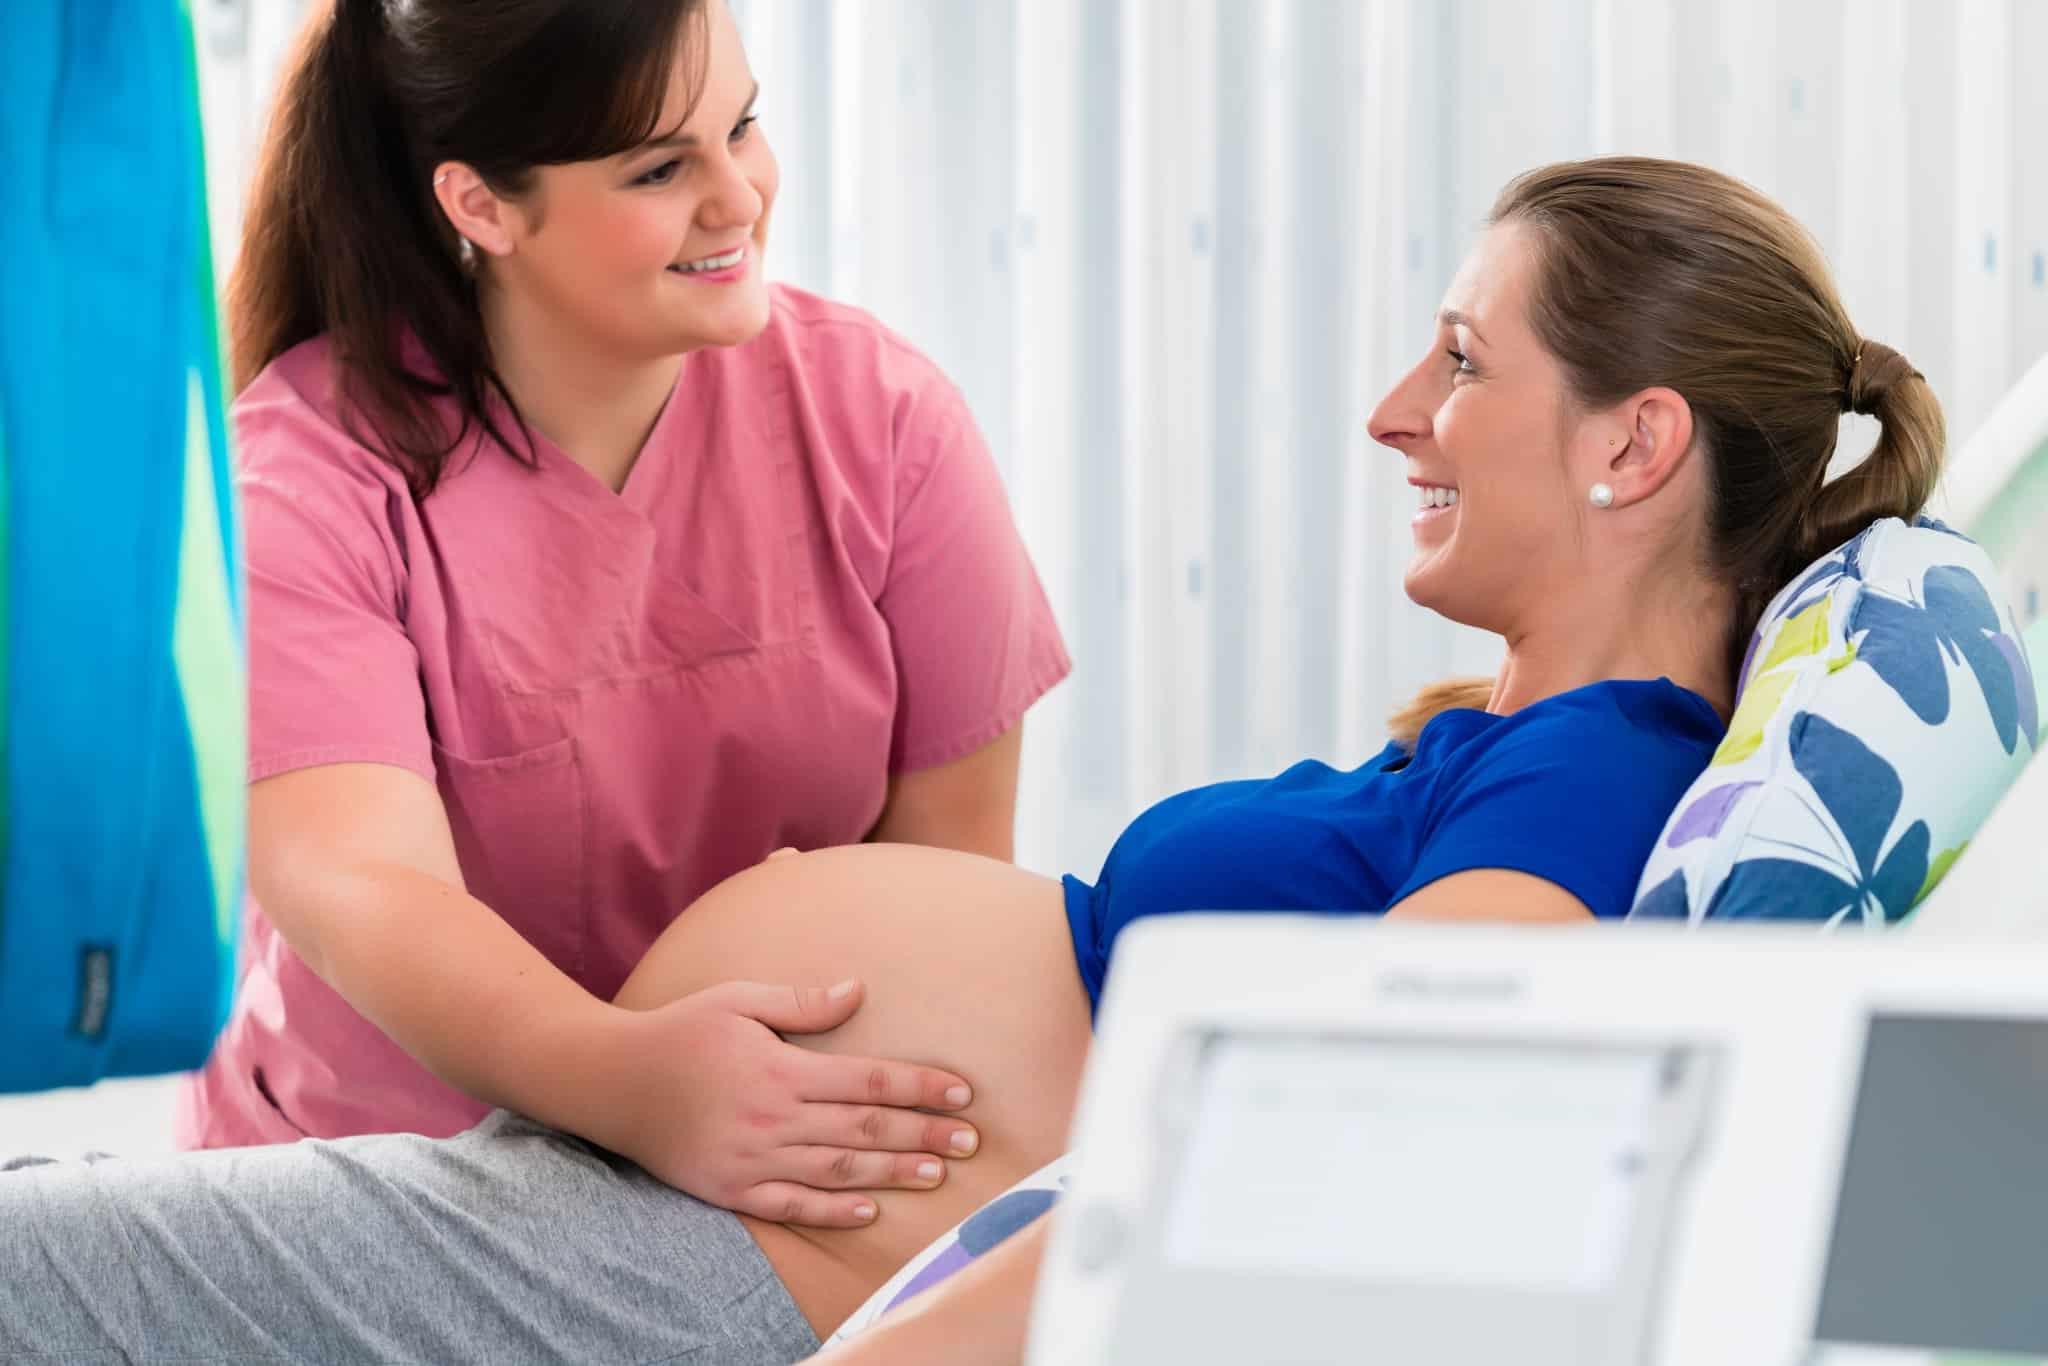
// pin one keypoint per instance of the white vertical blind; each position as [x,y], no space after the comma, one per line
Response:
[1981,272]
[1173,251]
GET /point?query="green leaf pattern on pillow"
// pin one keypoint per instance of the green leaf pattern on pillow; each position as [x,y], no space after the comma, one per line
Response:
[1803,635]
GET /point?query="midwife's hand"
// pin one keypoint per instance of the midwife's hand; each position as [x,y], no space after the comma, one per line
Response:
[714,1103]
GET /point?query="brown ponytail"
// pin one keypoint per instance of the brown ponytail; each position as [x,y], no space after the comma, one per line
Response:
[1899,474]
[1658,273]
[343,236]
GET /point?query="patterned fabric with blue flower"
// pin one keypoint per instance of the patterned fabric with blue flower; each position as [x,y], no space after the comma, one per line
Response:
[973,1237]
[1886,704]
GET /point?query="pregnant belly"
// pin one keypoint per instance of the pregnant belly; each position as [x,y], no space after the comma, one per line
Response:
[968,966]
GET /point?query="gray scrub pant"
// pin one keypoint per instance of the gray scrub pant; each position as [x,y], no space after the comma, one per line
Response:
[509,1243]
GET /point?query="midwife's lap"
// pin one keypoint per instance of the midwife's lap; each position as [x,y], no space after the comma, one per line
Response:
[510,1243]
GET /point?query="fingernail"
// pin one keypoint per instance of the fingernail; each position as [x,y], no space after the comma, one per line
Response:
[927,1171]
[964,1140]
[958,1096]
[863,1211]
[842,991]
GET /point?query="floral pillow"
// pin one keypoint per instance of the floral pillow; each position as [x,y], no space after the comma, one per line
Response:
[1885,706]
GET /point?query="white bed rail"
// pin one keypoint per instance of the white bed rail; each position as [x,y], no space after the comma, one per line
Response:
[1996,490]
[1982,472]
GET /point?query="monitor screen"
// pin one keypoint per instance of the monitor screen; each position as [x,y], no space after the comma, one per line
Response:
[1940,1237]
[1510,1166]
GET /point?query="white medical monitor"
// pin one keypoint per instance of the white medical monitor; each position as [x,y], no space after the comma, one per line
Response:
[1310,1140]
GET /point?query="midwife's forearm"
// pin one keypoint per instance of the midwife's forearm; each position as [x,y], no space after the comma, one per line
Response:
[458,988]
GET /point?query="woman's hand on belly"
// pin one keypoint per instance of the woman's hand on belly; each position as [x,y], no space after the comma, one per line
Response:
[708,1098]
[967,965]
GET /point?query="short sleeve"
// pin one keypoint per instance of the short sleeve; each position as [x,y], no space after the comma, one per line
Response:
[973,636]
[333,677]
[1576,805]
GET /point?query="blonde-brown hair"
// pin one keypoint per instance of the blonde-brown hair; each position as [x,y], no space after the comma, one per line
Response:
[1660,273]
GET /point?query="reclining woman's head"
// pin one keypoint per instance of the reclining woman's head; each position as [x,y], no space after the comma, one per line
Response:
[1622,431]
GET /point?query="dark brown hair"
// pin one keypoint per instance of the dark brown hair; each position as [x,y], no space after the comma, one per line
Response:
[343,235]
[1659,273]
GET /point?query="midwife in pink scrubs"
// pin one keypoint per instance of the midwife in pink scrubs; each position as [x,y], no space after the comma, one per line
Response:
[586,568]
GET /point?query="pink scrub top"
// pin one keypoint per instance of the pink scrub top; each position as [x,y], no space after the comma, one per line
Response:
[811,581]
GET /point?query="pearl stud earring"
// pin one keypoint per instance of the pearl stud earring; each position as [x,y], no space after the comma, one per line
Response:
[1600,496]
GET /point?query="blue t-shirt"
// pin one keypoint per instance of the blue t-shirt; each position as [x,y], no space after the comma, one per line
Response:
[1573,789]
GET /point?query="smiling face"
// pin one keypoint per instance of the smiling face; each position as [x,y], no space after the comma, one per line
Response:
[658,251]
[1491,442]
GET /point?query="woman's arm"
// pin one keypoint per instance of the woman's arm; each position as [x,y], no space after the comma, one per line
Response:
[969,804]
[1494,895]
[356,866]
[977,1318]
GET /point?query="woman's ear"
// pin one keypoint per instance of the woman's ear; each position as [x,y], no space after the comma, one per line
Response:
[473,208]
[1650,438]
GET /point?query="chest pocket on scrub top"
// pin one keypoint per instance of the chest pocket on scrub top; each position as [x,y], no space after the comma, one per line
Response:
[518,823]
